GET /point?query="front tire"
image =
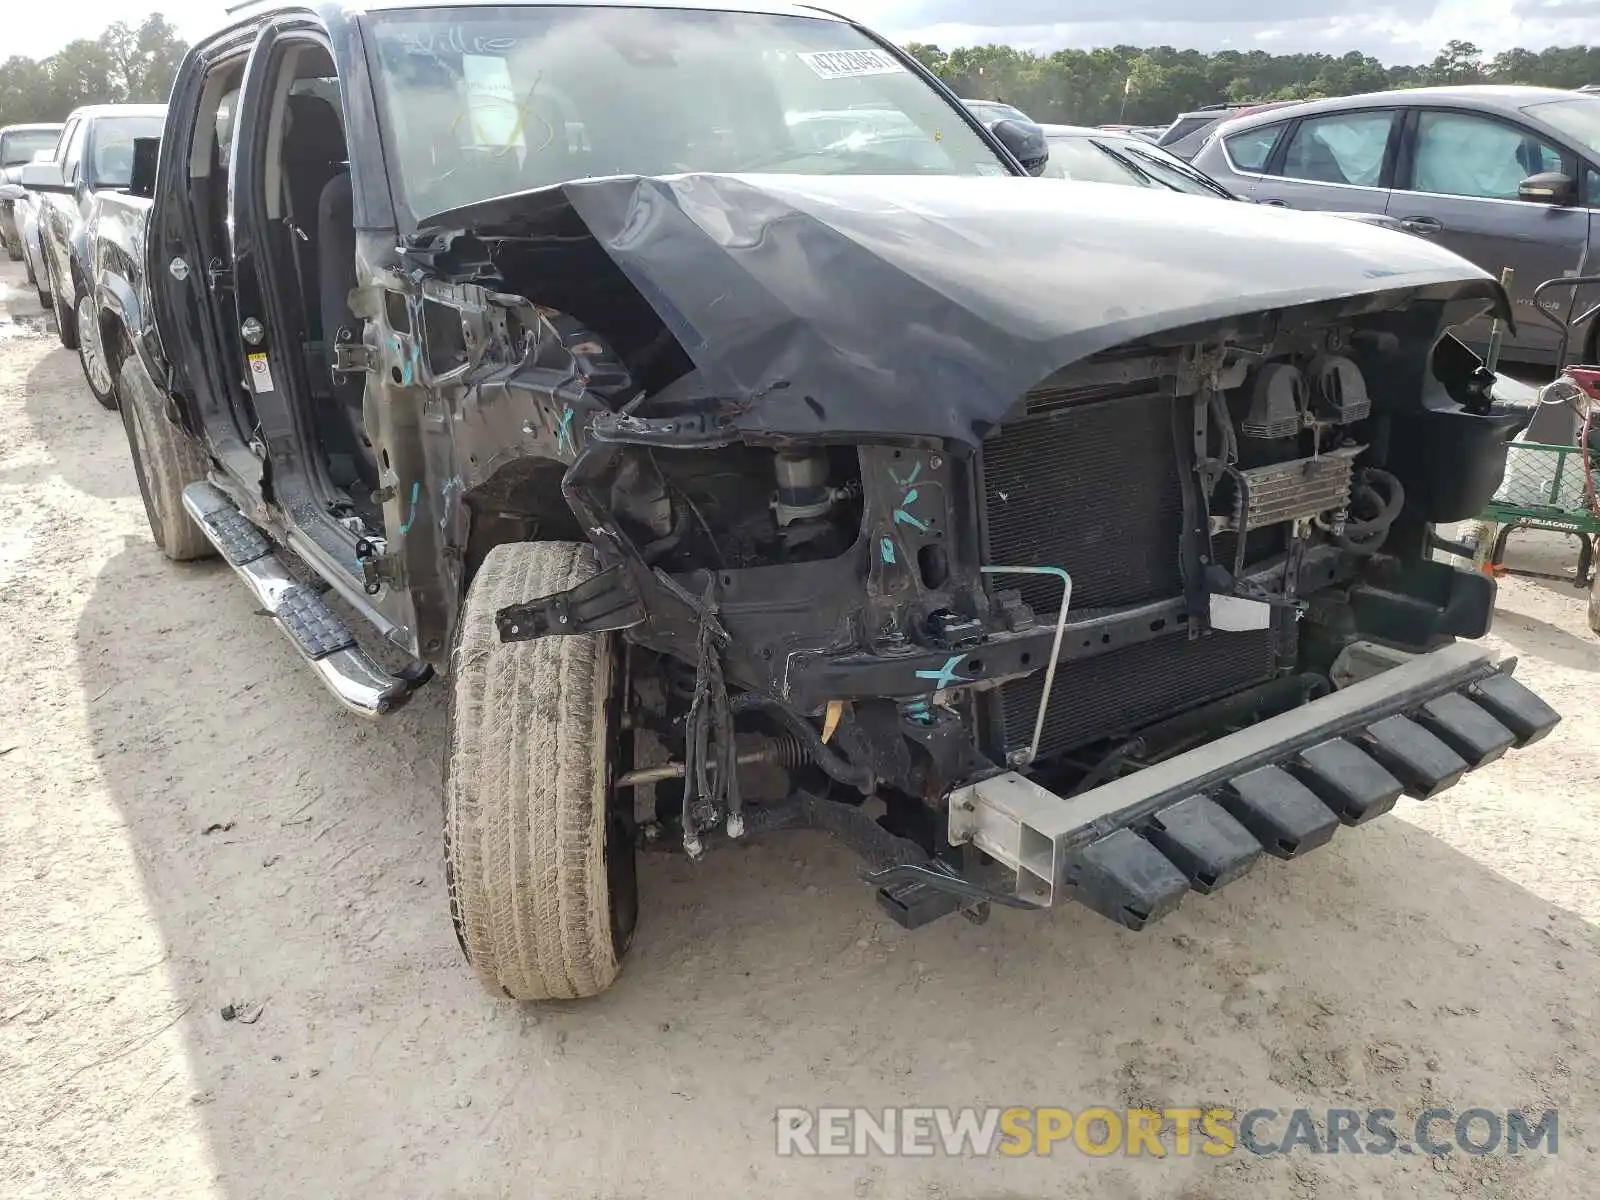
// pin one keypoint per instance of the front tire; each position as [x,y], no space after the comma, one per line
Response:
[92,355]
[538,857]
[64,306]
[1594,601]
[165,461]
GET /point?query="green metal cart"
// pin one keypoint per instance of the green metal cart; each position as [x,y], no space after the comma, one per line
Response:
[1552,484]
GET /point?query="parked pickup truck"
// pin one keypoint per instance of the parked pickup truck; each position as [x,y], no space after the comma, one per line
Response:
[1039,549]
[93,159]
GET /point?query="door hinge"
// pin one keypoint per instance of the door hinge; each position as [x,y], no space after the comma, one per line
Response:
[350,358]
[378,566]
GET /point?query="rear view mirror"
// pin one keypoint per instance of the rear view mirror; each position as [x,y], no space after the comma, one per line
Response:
[142,178]
[43,177]
[1548,187]
[1026,142]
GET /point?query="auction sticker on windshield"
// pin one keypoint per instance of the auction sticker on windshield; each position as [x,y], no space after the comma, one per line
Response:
[848,64]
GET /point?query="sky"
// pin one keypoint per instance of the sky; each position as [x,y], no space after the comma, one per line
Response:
[1396,31]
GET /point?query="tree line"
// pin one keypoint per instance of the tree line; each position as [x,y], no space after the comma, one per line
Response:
[1150,86]
[1139,86]
[125,64]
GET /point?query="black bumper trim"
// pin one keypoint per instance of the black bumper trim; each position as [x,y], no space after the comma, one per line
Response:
[1282,787]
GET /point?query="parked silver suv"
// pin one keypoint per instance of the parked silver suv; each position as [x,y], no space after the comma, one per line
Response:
[1504,176]
[18,145]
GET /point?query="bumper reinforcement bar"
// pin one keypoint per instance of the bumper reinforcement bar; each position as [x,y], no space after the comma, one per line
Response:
[1130,849]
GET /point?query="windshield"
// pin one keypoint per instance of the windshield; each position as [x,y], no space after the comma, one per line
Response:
[1081,159]
[1119,160]
[1172,170]
[481,102]
[20,145]
[113,147]
[1578,118]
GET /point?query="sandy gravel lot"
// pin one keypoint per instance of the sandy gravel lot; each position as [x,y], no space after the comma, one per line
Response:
[188,822]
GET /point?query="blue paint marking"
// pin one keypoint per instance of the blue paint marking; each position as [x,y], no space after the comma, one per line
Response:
[886,549]
[909,479]
[903,514]
[416,493]
[564,433]
[406,361]
[451,487]
[945,675]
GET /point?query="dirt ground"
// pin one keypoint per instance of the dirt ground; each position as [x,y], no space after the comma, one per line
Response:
[188,822]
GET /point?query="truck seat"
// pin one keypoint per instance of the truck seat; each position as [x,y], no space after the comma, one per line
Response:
[313,153]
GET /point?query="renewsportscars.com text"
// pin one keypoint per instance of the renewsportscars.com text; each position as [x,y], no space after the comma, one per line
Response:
[1150,1132]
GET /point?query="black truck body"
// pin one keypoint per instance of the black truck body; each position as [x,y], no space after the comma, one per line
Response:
[1047,536]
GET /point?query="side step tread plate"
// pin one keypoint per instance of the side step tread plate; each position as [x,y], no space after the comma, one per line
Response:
[319,633]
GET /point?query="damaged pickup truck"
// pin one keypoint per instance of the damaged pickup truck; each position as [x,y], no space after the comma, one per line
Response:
[1039,540]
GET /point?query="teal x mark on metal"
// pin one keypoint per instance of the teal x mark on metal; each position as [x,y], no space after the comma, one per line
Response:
[902,517]
[564,433]
[411,516]
[903,514]
[911,478]
[945,675]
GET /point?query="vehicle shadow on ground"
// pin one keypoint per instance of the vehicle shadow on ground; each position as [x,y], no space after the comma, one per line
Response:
[1530,635]
[761,976]
[57,402]
[1548,554]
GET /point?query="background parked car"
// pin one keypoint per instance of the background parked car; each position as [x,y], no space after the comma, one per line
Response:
[1189,130]
[1105,156]
[26,213]
[93,155]
[989,111]
[1121,156]
[18,145]
[1022,135]
[1504,176]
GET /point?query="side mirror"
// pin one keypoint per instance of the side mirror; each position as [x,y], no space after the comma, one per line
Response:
[1026,142]
[44,177]
[1548,187]
[142,176]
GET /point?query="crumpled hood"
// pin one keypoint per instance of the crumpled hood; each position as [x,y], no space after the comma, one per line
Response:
[929,305]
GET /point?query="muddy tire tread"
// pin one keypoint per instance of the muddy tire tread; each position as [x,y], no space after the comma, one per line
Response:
[166,460]
[525,787]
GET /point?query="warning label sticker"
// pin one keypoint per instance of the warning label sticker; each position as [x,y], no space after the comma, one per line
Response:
[260,372]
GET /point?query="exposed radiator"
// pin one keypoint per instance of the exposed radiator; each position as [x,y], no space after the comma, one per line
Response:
[1094,487]
[1119,692]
